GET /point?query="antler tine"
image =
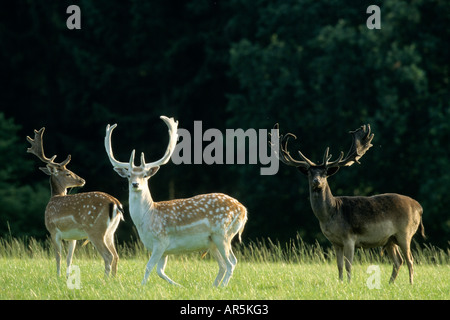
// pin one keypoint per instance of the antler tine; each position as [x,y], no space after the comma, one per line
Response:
[108,147]
[272,146]
[142,160]
[279,146]
[37,146]
[332,163]
[172,125]
[361,142]
[283,153]
[65,162]
[326,157]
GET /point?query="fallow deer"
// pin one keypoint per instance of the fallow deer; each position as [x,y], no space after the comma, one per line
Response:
[389,220]
[204,222]
[91,215]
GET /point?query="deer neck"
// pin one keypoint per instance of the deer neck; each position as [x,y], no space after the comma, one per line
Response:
[57,189]
[323,203]
[141,205]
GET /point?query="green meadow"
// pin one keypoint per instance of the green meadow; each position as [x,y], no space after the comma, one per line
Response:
[265,270]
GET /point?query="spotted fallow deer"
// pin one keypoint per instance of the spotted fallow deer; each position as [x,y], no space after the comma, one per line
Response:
[204,222]
[389,220]
[91,215]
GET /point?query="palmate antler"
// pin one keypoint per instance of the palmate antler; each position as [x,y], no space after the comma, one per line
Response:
[172,125]
[361,142]
[37,148]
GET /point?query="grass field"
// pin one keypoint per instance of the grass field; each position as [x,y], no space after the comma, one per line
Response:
[265,270]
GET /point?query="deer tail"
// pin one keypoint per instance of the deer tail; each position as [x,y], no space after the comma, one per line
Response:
[422,229]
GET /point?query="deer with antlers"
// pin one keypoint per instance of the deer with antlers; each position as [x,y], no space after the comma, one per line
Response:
[204,222]
[91,215]
[389,220]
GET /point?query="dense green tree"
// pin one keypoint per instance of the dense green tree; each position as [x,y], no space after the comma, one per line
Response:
[22,204]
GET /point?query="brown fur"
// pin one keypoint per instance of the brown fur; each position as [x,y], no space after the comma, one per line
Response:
[92,215]
[389,220]
[84,216]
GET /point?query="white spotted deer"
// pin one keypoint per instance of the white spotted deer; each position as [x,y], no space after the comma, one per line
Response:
[389,220]
[91,215]
[204,222]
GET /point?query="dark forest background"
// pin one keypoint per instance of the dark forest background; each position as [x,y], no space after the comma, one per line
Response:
[313,66]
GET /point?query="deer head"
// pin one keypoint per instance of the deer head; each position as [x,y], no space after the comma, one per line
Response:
[318,173]
[61,177]
[138,175]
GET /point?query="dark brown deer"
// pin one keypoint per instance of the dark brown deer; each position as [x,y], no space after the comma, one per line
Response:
[389,220]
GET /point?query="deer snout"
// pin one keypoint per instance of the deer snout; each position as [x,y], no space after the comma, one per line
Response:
[316,182]
[135,185]
[82,182]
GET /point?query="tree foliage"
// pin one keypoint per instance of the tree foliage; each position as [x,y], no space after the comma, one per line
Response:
[21,204]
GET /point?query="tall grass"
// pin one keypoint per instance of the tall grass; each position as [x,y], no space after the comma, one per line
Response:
[294,251]
[297,251]
[260,250]
[267,269]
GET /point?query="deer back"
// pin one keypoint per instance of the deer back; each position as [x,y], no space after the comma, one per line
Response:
[360,213]
[214,212]
[82,212]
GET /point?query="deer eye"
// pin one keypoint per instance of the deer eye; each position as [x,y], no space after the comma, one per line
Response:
[67,174]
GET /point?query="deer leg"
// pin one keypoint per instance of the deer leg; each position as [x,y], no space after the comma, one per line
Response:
[222,267]
[103,249]
[394,254]
[58,247]
[157,253]
[349,250]
[224,249]
[405,246]
[109,241]
[72,245]
[232,257]
[340,260]
[160,270]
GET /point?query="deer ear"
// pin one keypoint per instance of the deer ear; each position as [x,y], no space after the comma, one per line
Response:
[303,170]
[45,170]
[331,171]
[50,170]
[152,171]
[121,171]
